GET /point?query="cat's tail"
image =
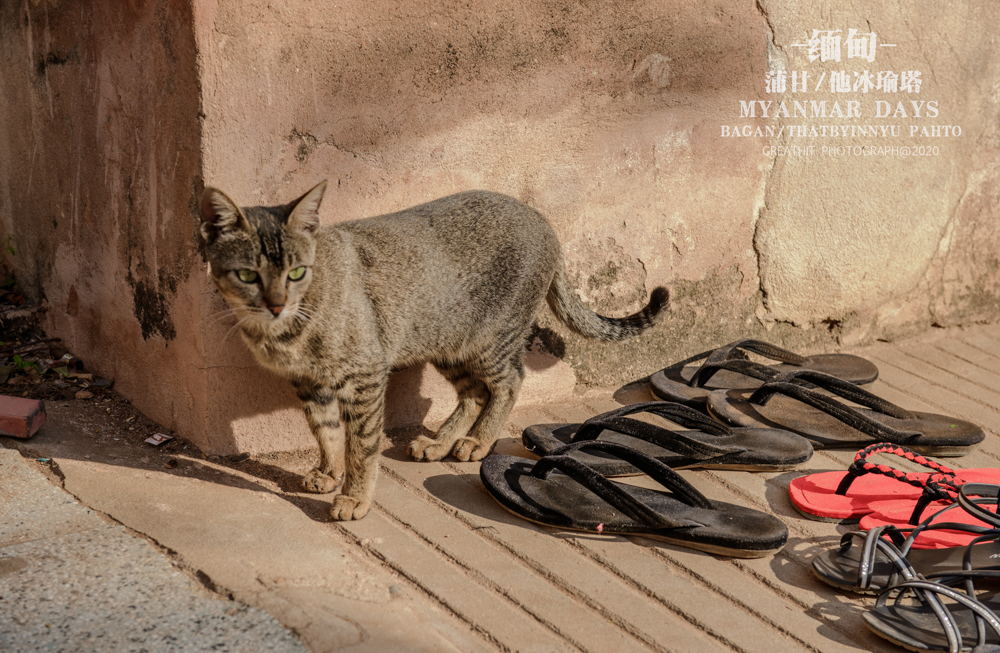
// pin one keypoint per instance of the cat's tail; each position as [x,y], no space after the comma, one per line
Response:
[571,312]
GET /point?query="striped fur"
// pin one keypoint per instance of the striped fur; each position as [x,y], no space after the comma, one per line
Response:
[456,282]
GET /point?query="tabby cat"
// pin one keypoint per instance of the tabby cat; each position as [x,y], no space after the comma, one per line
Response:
[456,282]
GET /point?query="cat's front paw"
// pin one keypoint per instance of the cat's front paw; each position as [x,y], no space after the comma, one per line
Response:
[426,449]
[319,483]
[346,508]
[467,449]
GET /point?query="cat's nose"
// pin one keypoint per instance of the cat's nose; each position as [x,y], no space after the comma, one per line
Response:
[275,309]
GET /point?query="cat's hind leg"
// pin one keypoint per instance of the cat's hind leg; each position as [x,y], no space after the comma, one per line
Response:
[494,379]
[472,396]
[323,415]
[503,381]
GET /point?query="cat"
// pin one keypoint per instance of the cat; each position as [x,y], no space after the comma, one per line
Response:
[456,282]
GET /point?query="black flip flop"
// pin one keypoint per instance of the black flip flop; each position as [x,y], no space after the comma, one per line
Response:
[560,491]
[711,445]
[787,404]
[729,368]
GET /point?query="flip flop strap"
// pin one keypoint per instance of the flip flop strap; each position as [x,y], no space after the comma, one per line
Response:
[744,367]
[674,441]
[846,390]
[758,347]
[861,466]
[845,414]
[734,351]
[680,443]
[669,410]
[940,488]
[930,591]
[611,492]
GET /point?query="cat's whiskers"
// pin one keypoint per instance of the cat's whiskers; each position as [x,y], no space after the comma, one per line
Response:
[304,313]
[250,315]
[218,317]
[311,313]
[230,332]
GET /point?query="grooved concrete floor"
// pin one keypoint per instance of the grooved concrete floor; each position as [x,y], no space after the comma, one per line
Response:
[438,565]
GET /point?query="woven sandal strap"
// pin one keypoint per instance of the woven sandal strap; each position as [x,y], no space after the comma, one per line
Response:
[854,418]
[669,410]
[610,492]
[934,521]
[847,390]
[937,488]
[862,466]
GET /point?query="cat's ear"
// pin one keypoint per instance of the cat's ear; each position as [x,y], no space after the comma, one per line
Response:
[305,210]
[219,214]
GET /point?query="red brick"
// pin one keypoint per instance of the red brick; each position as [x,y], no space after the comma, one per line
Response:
[19,417]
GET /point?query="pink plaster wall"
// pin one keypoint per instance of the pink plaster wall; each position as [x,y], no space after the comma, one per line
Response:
[99,162]
[601,115]
[604,116]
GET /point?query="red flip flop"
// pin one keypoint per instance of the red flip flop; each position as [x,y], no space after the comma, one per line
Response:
[850,495]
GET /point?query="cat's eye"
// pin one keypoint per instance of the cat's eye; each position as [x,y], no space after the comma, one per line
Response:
[246,276]
[297,273]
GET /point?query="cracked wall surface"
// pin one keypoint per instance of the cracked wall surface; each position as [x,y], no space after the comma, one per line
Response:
[608,118]
[873,242]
